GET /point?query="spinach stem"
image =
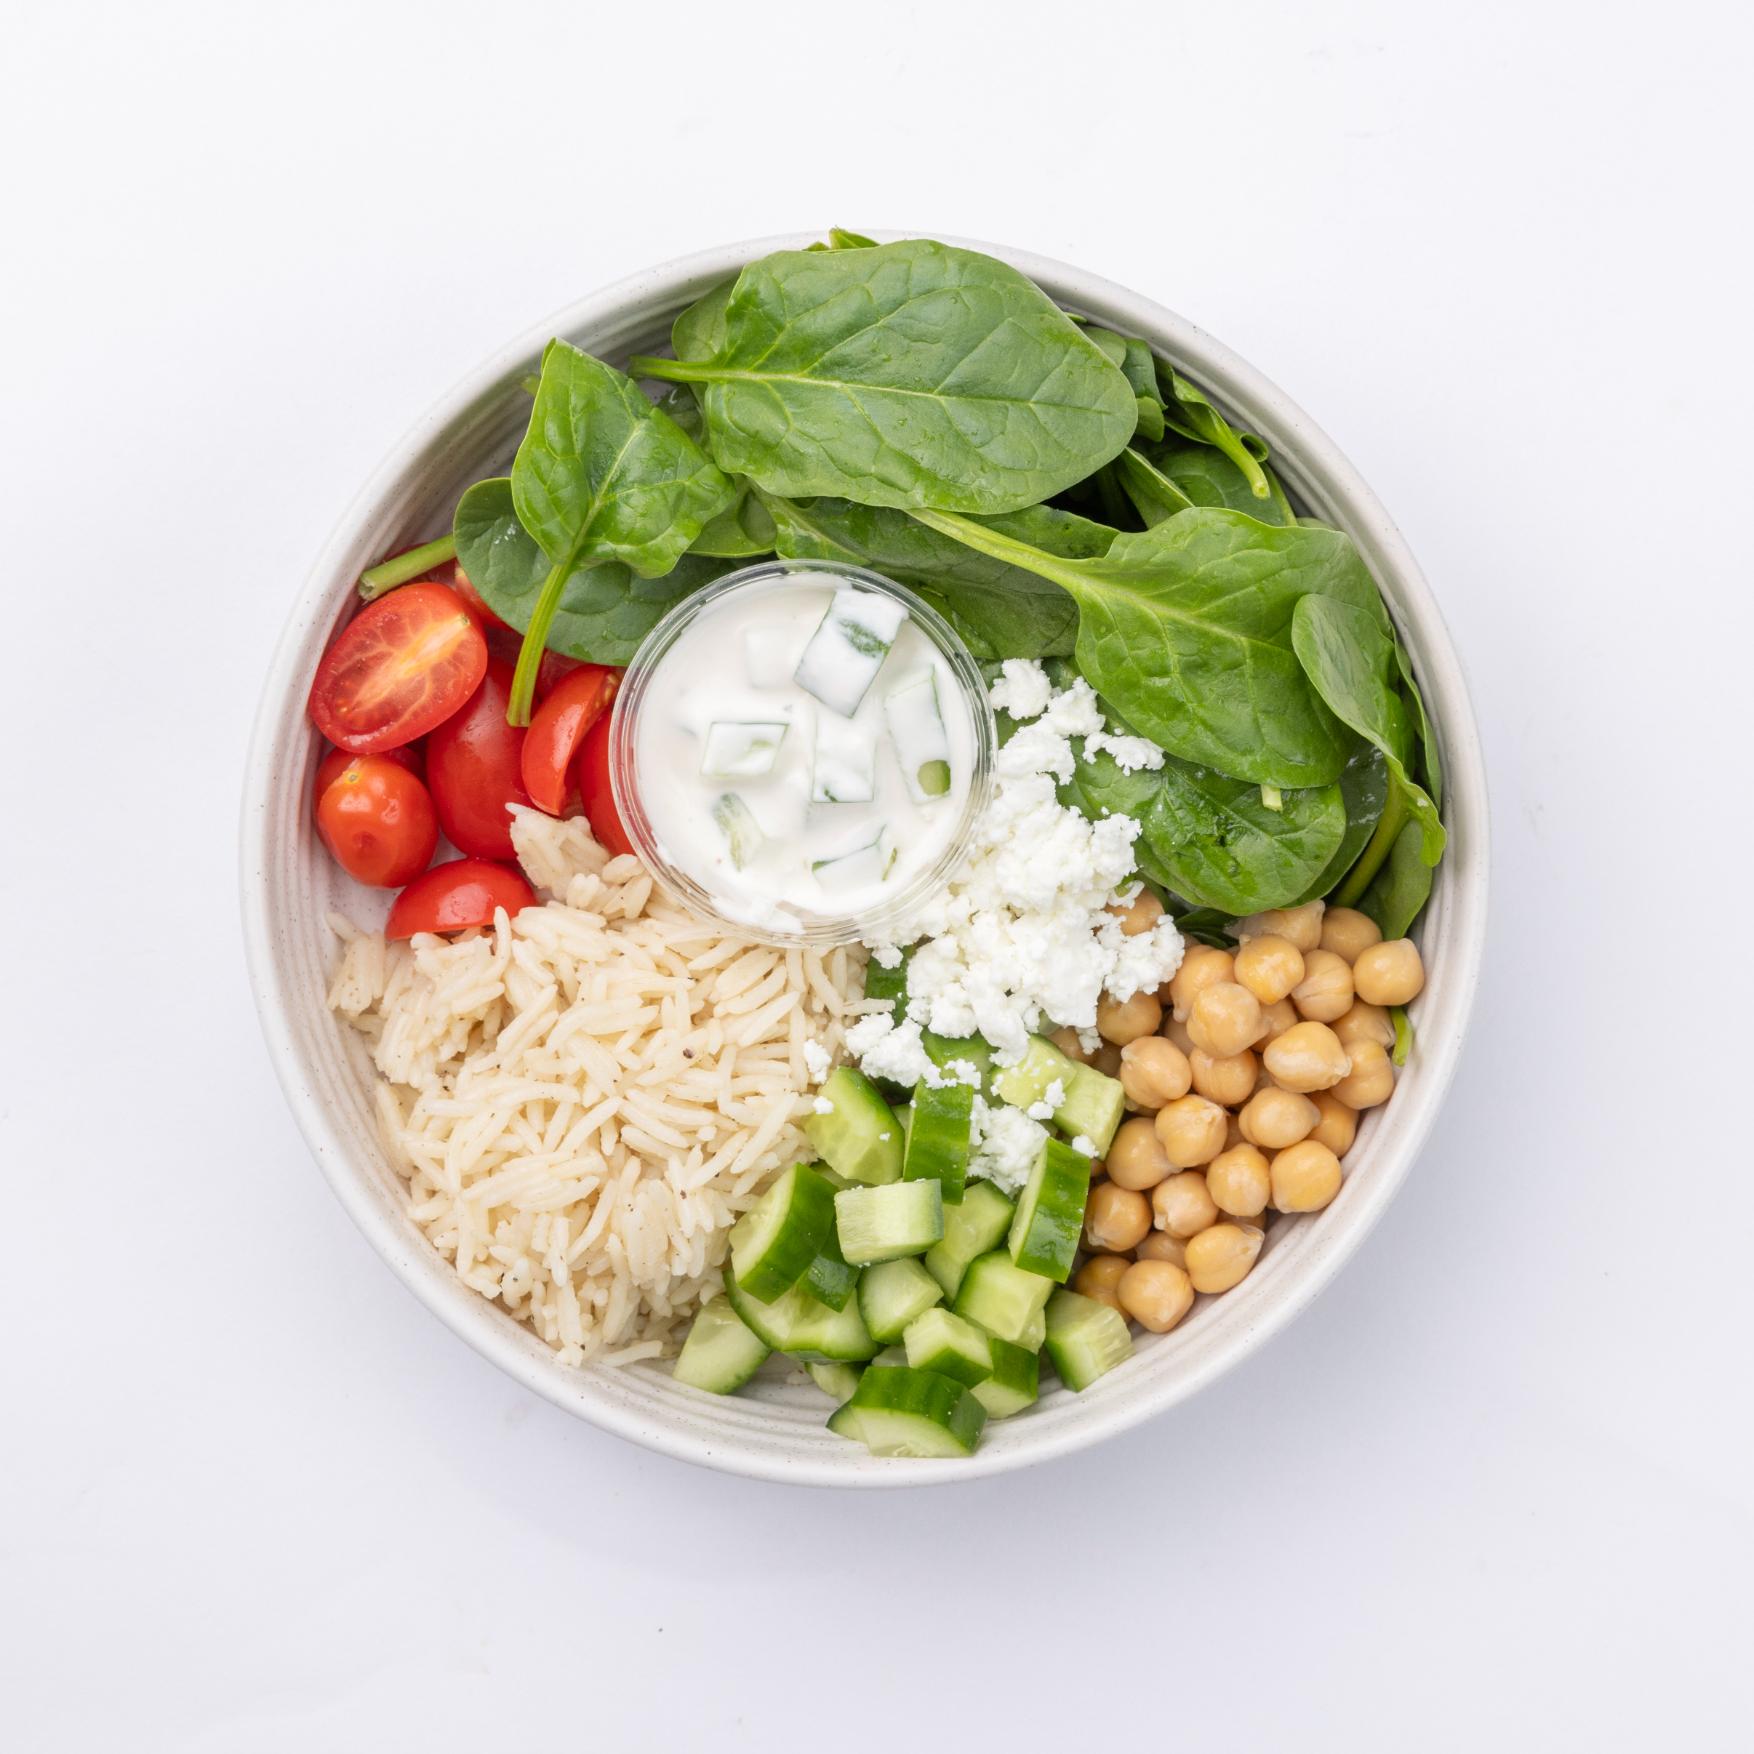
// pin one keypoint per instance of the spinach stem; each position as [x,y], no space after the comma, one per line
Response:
[1403,1035]
[675,371]
[1370,861]
[523,694]
[401,568]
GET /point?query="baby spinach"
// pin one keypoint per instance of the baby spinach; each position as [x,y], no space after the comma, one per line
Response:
[1136,360]
[1154,495]
[1205,476]
[908,374]
[1398,892]
[1188,410]
[1430,759]
[1364,788]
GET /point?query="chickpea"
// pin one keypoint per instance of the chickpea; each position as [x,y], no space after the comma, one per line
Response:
[1176,1031]
[1325,992]
[1391,973]
[1115,1218]
[1141,914]
[1183,1205]
[1347,932]
[1306,1176]
[1366,1023]
[1301,926]
[1257,1222]
[1239,1182]
[1123,1020]
[1309,1057]
[1153,1072]
[1135,1159]
[1107,1060]
[1338,1126]
[1225,1018]
[1228,1078]
[1221,1257]
[1269,967]
[1276,1118]
[1276,1018]
[1161,1246]
[1066,1040]
[1372,1078]
[1156,1294]
[1190,1130]
[1202,966]
[1100,1276]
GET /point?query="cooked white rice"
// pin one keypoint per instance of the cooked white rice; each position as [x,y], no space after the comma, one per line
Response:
[583,1099]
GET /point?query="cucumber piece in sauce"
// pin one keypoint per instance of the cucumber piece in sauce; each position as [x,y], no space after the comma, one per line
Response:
[858,866]
[848,648]
[737,824]
[741,751]
[916,727]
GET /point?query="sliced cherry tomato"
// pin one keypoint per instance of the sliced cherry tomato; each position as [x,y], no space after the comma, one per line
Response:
[456,895]
[472,766]
[596,792]
[459,582]
[401,666]
[577,702]
[551,672]
[329,768]
[377,819]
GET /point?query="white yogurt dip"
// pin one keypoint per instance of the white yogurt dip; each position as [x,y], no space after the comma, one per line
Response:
[803,750]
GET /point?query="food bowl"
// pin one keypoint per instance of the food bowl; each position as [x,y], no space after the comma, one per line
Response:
[775,1431]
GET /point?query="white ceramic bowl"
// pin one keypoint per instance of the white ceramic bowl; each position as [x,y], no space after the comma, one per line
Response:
[289,883]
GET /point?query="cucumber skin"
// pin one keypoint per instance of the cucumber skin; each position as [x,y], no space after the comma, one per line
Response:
[977,1303]
[970,1230]
[830,1280]
[942,1127]
[1049,1222]
[859,1109]
[1015,1382]
[791,1323]
[901,1392]
[1074,1323]
[718,1339]
[808,1219]
[951,1345]
[877,1285]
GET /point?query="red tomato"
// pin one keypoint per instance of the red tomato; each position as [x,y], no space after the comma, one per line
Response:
[596,791]
[456,895]
[472,763]
[377,819]
[459,582]
[578,701]
[401,666]
[553,670]
[329,768]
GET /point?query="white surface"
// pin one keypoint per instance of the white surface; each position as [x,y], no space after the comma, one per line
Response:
[1492,1490]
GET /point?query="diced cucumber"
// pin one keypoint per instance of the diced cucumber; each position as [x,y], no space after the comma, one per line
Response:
[1002,1297]
[829,1277]
[891,1355]
[1085,1339]
[885,1223]
[950,1345]
[1093,1107]
[1050,1212]
[1015,1381]
[803,1325]
[738,825]
[904,1412]
[1029,1080]
[893,1293]
[858,1136]
[970,1229]
[774,1242]
[938,1138]
[887,984]
[843,763]
[835,1380]
[916,727]
[741,751]
[768,648]
[721,1352]
[857,866]
[960,1052]
[1035,1332]
[848,648]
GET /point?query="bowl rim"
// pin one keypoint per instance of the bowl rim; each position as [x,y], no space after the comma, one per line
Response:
[1308,457]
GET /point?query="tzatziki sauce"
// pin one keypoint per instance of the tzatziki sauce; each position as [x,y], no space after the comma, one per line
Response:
[803,750]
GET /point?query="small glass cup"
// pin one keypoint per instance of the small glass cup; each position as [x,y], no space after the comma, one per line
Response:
[886,924]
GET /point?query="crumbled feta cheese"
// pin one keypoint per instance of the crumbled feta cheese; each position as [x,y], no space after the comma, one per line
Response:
[822,1105]
[1022,690]
[1130,753]
[889,1050]
[1037,748]
[1084,1145]
[1075,711]
[816,1061]
[1006,1143]
[1050,1100]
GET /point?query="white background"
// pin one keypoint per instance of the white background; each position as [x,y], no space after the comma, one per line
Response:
[1492,1491]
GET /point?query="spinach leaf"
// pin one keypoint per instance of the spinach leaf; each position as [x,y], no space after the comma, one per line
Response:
[1188,410]
[909,374]
[1137,361]
[1186,628]
[1208,477]
[604,610]
[699,331]
[602,475]
[1364,787]
[1114,347]
[1154,495]
[1430,759]
[1206,925]
[844,240]
[1397,894]
[742,531]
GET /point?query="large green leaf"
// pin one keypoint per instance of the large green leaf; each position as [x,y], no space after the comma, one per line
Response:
[1397,894]
[909,374]
[1203,475]
[1364,787]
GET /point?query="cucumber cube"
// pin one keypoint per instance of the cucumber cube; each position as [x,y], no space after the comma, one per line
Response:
[857,867]
[938,1138]
[720,1354]
[843,763]
[1085,1339]
[970,1229]
[775,1241]
[894,1293]
[950,1345]
[1015,1381]
[1049,1221]
[741,751]
[903,1412]
[885,1223]
[848,648]
[858,1135]
[738,825]
[916,727]
[1002,1297]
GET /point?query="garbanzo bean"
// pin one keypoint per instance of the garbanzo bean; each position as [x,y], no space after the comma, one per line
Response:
[1100,1276]
[1305,1176]
[1275,1118]
[1365,1023]
[1309,1057]
[1227,1078]
[1203,965]
[1161,1246]
[1107,1060]
[1066,1040]
[1123,1020]
[1325,992]
[1183,1205]
[1156,1294]
[1301,926]
[1115,1218]
[1220,1257]
[1269,967]
[1144,911]
[1372,1078]
[1225,1018]
[1190,1130]
[1276,1018]
[1154,1071]
[1135,1159]
[1238,1181]
[1176,1031]
[1390,973]
[1346,932]
[1338,1126]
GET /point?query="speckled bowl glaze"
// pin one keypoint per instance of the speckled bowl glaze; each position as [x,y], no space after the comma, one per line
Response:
[776,1432]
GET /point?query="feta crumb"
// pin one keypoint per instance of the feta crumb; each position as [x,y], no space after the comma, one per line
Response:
[1022,690]
[816,1061]
[1050,1100]
[1130,753]
[1006,1145]
[1075,712]
[822,1105]
[889,1050]
[1084,1145]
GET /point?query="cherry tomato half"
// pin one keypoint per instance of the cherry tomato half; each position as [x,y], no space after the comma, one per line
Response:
[577,702]
[329,768]
[592,770]
[459,582]
[456,895]
[377,819]
[401,666]
[472,766]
